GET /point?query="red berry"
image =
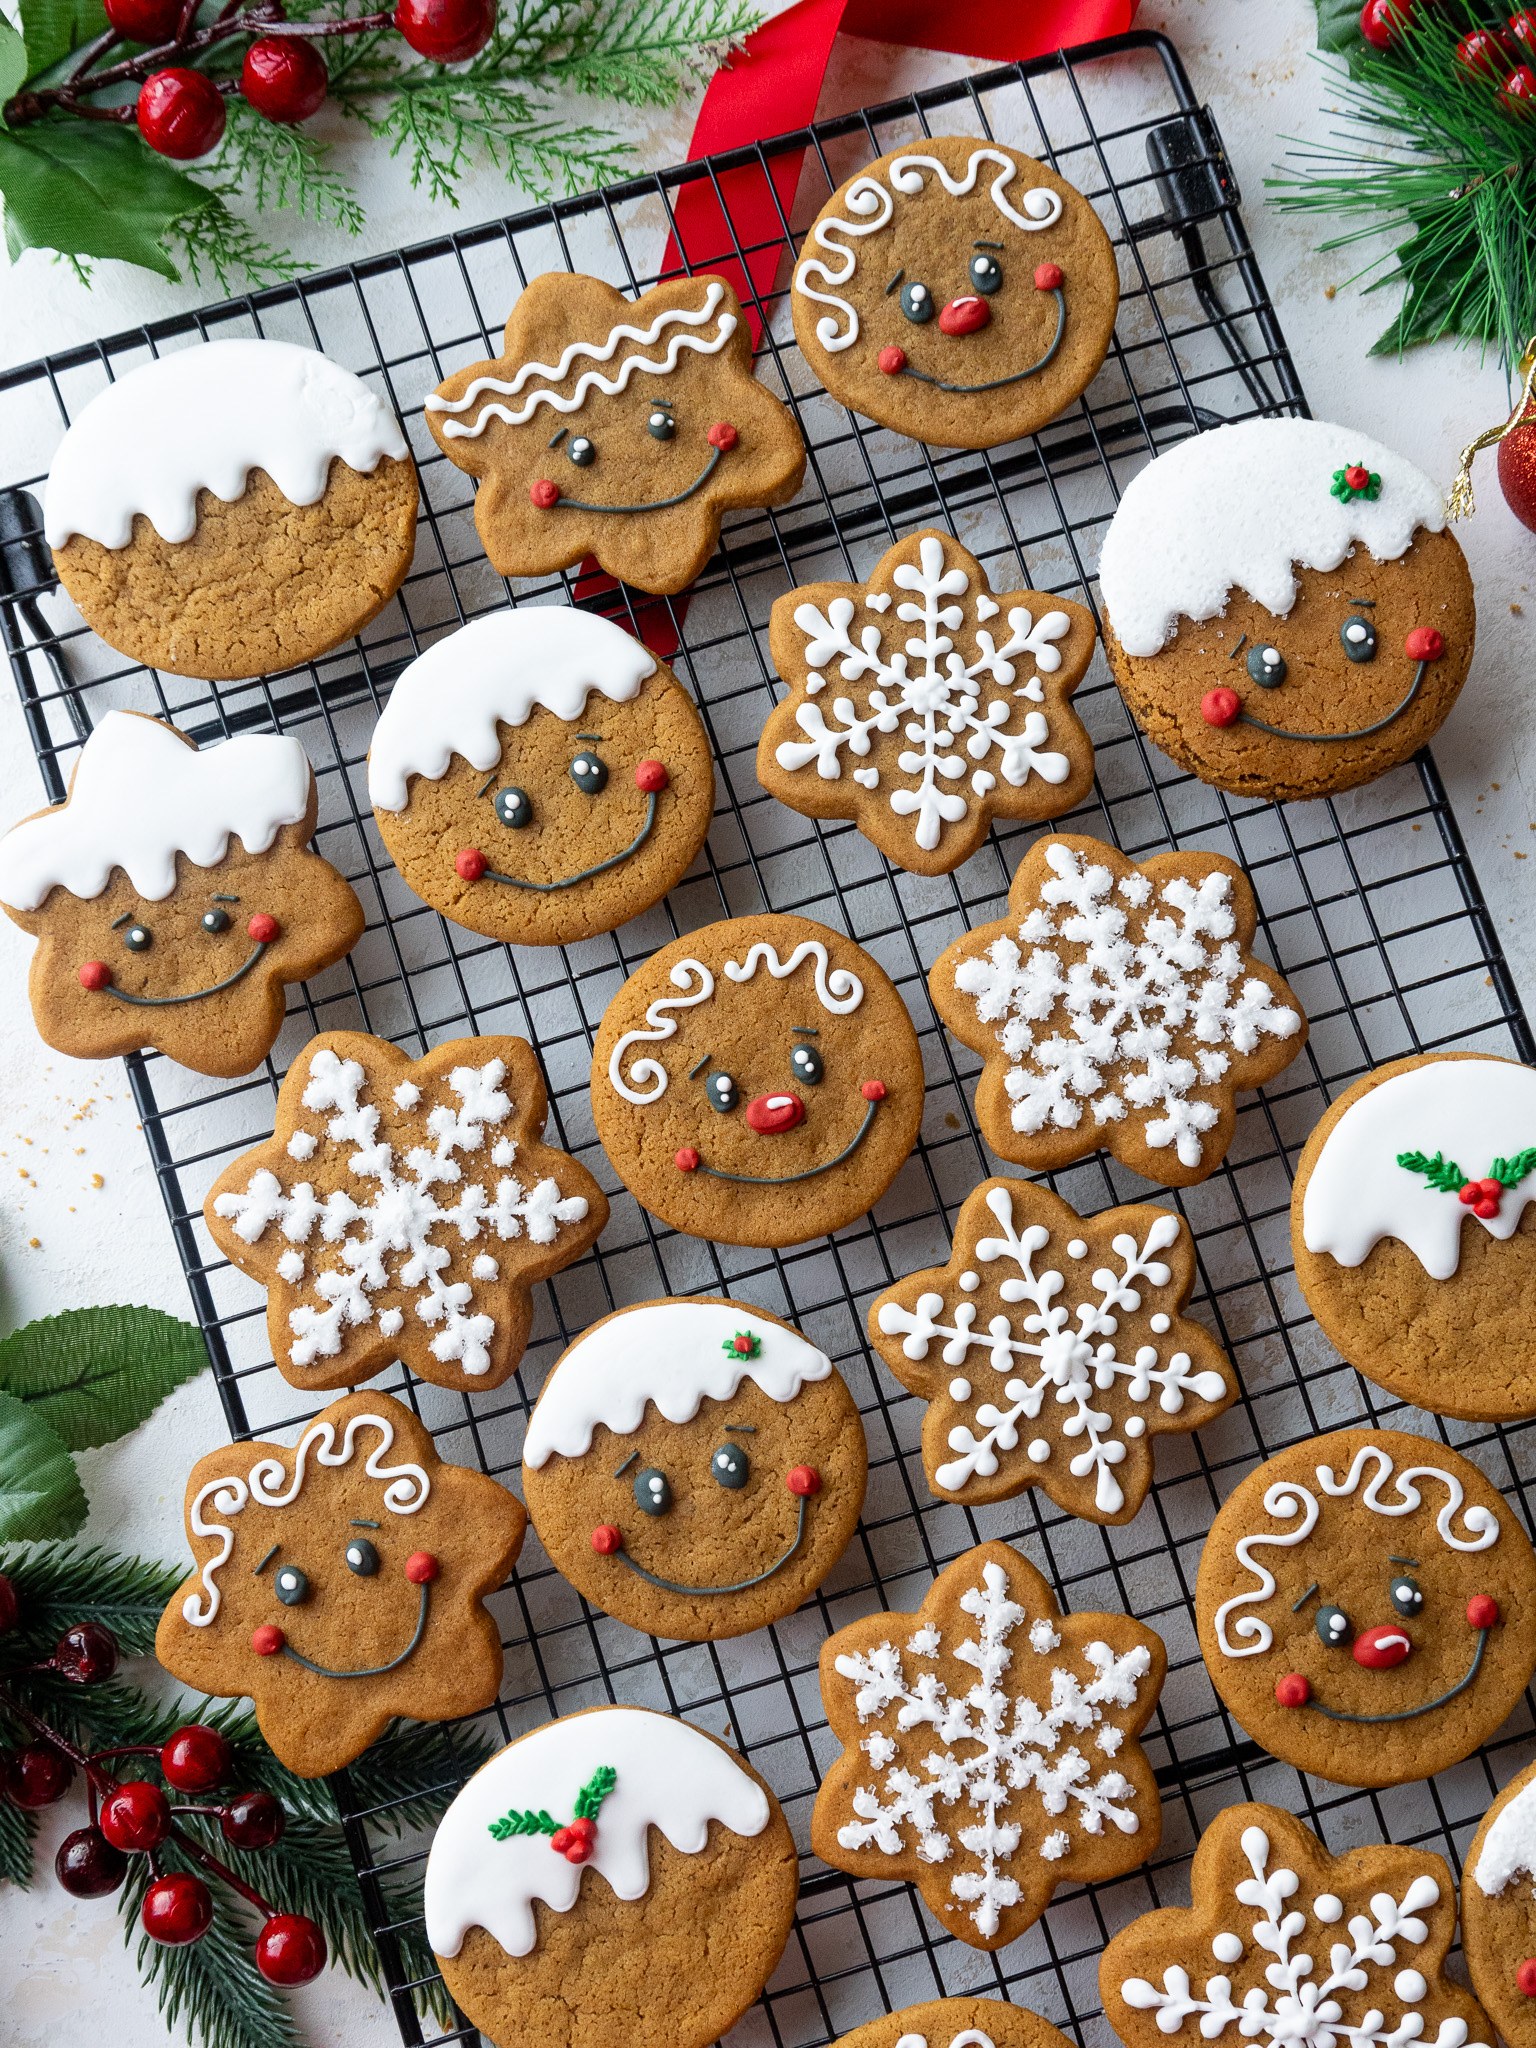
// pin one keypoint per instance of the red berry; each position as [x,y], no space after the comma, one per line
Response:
[544,493]
[1293,1690]
[1522,29]
[177,1909]
[1468,1192]
[651,777]
[583,1830]
[1483,1610]
[268,1639]
[1357,477]
[560,1840]
[891,361]
[722,436]
[1485,50]
[421,1567]
[253,1820]
[1424,643]
[10,1603]
[196,1759]
[263,929]
[606,1539]
[803,1480]
[86,1653]
[180,113]
[290,1949]
[1492,1189]
[1048,277]
[685,1159]
[1485,1208]
[37,1776]
[741,1344]
[872,1091]
[144,21]
[136,1816]
[1525,1977]
[447,31]
[1383,21]
[470,865]
[284,78]
[1518,90]
[1220,707]
[88,1866]
[95,974]
[577,1852]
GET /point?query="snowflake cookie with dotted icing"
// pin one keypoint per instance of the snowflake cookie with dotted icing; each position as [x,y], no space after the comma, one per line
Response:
[402,1209]
[1051,1350]
[1117,1005]
[1293,1948]
[989,1749]
[922,705]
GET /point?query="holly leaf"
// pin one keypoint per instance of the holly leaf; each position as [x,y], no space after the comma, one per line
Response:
[40,1491]
[595,1791]
[13,60]
[1510,1172]
[90,189]
[53,28]
[524,1821]
[1338,25]
[18,1830]
[93,1374]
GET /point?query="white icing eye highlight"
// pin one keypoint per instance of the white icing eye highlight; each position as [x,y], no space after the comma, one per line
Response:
[807,1064]
[581,452]
[722,1092]
[653,1491]
[290,1585]
[138,938]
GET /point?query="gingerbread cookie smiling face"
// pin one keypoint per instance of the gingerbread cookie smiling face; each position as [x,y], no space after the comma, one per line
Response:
[1365,1603]
[957,291]
[958,2023]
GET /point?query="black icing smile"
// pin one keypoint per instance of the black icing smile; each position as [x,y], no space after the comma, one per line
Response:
[196,994]
[998,383]
[784,1180]
[1412,1713]
[1359,732]
[601,868]
[373,1670]
[677,1585]
[655,504]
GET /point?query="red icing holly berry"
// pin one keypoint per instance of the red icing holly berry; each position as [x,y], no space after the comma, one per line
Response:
[290,1949]
[144,21]
[1424,644]
[544,493]
[891,361]
[560,1841]
[1484,52]
[1518,91]
[685,1159]
[88,1866]
[803,1480]
[872,1091]
[1485,1207]
[86,1654]
[606,1539]
[1357,477]
[268,1639]
[584,1829]
[1048,277]
[577,1851]
[1220,707]
[651,777]
[1483,1610]
[1525,1977]
[137,1816]
[722,436]
[1383,21]
[177,1909]
[471,864]
[447,31]
[262,928]
[253,1820]
[180,113]
[95,974]
[196,1759]
[421,1567]
[284,78]
[37,1776]
[1293,1690]
[10,1604]
[741,1344]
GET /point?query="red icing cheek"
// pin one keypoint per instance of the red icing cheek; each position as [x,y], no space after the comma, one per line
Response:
[1048,277]
[544,494]
[873,1091]
[1525,1977]
[803,1480]
[470,865]
[263,929]
[1424,644]
[267,1640]
[421,1567]
[1293,1690]
[95,975]
[1483,1611]
[606,1540]
[685,1159]
[891,361]
[722,436]
[651,777]
[1220,707]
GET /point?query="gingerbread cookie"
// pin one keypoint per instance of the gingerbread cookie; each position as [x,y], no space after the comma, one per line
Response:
[694,1467]
[958,2023]
[933,677]
[403,1209]
[620,428]
[1293,1948]
[990,1748]
[507,818]
[1400,1254]
[1284,611]
[1498,1910]
[342,1582]
[174,896]
[1117,1005]
[1365,1605]
[697,1895]
[959,292]
[757,1082]
[232,508]
[1067,1393]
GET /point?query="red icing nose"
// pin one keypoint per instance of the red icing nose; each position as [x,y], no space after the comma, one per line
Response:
[1379,1648]
[964,316]
[770,1114]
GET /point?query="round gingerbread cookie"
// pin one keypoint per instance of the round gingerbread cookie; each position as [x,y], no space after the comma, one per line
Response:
[539,776]
[616,1879]
[958,2023]
[956,291]
[1498,1910]
[232,509]
[1414,1238]
[1367,1606]
[758,1082]
[1284,610]
[694,1467]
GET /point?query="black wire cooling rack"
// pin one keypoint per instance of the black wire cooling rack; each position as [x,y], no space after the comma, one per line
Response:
[1368,905]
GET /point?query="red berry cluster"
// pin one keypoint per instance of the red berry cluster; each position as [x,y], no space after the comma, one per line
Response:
[576,1842]
[1482,1197]
[1503,57]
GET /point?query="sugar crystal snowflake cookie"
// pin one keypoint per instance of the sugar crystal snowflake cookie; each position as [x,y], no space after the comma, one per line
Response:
[958,2023]
[989,1747]
[1290,1947]
[1117,1005]
[1498,1910]
[402,1209]
[1051,1351]
[956,709]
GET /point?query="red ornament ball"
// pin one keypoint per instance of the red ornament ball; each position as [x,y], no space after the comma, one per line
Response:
[470,865]
[180,113]
[606,1539]
[1525,1977]
[872,1091]
[196,1759]
[1518,92]
[1424,644]
[290,1949]
[136,1817]
[722,436]
[1048,277]
[37,1776]
[1517,468]
[652,777]
[803,1480]
[144,21]
[1485,52]
[88,1866]
[177,1910]
[10,1603]
[421,1567]
[267,1640]
[253,1820]
[1220,707]
[1522,30]
[95,974]
[86,1653]
[685,1159]
[284,78]
[1483,1610]
[544,494]
[1383,21]
[447,31]
[1293,1690]
[263,929]
[891,361]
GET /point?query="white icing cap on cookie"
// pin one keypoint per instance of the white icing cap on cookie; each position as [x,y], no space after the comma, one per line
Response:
[203,419]
[673,1353]
[494,671]
[667,1775]
[1235,508]
[1509,1848]
[141,795]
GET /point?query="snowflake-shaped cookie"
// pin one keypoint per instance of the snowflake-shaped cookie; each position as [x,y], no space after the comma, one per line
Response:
[1051,1351]
[402,1209]
[955,706]
[1294,1948]
[989,1747]
[1117,1004]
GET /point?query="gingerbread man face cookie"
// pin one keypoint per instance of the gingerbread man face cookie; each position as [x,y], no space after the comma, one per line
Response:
[174,896]
[694,1467]
[341,1583]
[757,1082]
[1285,613]
[957,291]
[620,428]
[540,777]
[951,720]
[1498,1910]
[1365,1605]
[958,2023]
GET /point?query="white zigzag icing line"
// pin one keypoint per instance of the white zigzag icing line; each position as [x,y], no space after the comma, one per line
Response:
[1481,1519]
[1283,1500]
[658,1026]
[839,992]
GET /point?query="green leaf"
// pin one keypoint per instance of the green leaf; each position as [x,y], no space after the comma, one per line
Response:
[55,27]
[40,1492]
[1338,25]
[13,59]
[524,1821]
[92,189]
[1510,1172]
[60,1585]
[595,1791]
[1444,1175]
[96,1373]
[18,1830]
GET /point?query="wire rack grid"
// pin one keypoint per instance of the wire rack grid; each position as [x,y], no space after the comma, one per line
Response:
[1368,905]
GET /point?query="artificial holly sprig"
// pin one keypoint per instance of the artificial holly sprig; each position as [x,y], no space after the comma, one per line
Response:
[573,1839]
[1483,1196]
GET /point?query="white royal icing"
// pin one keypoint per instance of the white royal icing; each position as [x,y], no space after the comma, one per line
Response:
[1509,1847]
[670,1777]
[869,200]
[1235,508]
[592,380]
[838,991]
[1471,1111]
[672,1353]
[270,1484]
[203,419]
[140,796]
[972,2037]
[490,673]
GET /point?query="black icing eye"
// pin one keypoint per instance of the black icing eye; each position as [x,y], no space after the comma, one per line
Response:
[362,1558]
[514,807]
[1266,665]
[986,273]
[581,452]
[917,303]
[731,1466]
[1333,1627]
[653,1491]
[722,1092]
[589,774]
[290,1585]
[215,920]
[1406,1596]
[1357,637]
[661,426]
[805,1062]
[137,938]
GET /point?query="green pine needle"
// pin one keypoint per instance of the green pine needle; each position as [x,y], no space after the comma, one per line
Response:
[1510,1172]
[62,1584]
[1443,1175]
[213,1986]
[595,1791]
[215,240]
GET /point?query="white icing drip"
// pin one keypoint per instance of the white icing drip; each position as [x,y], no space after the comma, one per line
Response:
[140,796]
[1236,508]
[202,419]
[493,672]
[1509,1847]
[838,992]
[1284,1499]
[658,1026]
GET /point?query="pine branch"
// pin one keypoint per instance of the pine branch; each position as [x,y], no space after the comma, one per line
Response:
[634,52]
[275,166]
[214,239]
[1443,1175]
[212,1985]
[62,1584]
[407,1778]
[18,1832]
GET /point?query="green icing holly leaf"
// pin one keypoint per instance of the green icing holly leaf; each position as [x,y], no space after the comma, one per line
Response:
[595,1791]
[93,1374]
[89,189]
[53,28]
[1444,1175]
[1510,1172]
[743,1345]
[40,1491]
[524,1821]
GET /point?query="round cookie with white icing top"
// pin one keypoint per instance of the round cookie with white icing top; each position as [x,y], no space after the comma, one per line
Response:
[957,2023]
[1284,610]
[694,1467]
[174,896]
[1366,1604]
[540,777]
[620,428]
[1498,1910]
[1412,1228]
[341,1582]
[757,1082]
[617,1865]
[936,686]
[231,509]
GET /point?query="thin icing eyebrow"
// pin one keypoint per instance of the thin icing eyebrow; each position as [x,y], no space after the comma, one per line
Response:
[486,784]
[703,1063]
[595,737]
[556,439]
[746,1428]
[259,1569]
[225,899]
[1366,604]
[362,1525]
[896,280]
[987,245]
[626,1464]
[1237,650]
[1297,1605]
[809,1030]
[121,920]
[1402,1560]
